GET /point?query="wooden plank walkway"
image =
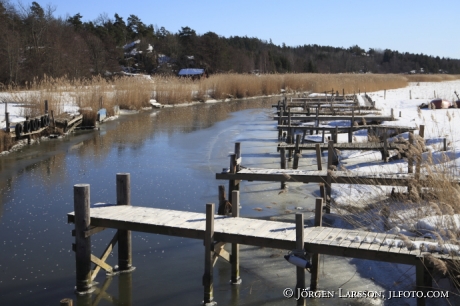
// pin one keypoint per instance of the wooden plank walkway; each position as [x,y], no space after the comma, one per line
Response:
[379,146]
[319,176]
[374,127]
[328,111]
[334,118]
[264,233]
[217,230]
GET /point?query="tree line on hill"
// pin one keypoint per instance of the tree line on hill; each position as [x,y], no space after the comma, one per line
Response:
[35,44]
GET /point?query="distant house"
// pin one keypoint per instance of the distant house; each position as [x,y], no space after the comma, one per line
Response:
[194,73]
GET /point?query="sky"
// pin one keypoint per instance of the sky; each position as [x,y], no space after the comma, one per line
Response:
[422,26]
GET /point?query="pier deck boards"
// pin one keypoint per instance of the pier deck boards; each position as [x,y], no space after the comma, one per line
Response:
[345,146]
[275,234]
[398,128]
[333,118]
[303,176]
[334,112]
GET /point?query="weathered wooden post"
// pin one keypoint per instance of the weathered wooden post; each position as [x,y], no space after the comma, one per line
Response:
[410,157]
[410,94]
[385,147]
[352,123]
[283,164]
[332,159]
[46,107]
[297,143]
[238,155]
[221,210]
[315,256]
[7,122]
[208,281]
[296,160]
[125,259]
[289,126]
[318,156]
[336,135]
[328,191]
[235,257]
[444,143]
[385,94]
[421,131]
[317,119]
[299,243]
[392,115]
[232,185]
[81,196]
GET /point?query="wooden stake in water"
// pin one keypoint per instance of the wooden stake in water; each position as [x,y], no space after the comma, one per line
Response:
[315,256]
[299,243]
[208,281]
[235,258]
[283,164]
[318,157]
[81,197]
[125,260]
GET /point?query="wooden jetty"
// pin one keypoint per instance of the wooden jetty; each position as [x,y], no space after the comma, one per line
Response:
[237,173]
[39,124]
[327,111]
[378,146]
[216,230]
[373,130]
[369,118]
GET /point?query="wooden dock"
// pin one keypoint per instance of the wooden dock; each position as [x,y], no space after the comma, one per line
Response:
[318,176]
[369,118]
[379,146]
[328,111]
[217,230]
[248,231]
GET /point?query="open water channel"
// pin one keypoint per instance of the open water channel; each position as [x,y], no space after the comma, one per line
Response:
[172,155]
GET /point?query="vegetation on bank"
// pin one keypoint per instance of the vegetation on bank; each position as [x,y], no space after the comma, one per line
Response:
[136,92]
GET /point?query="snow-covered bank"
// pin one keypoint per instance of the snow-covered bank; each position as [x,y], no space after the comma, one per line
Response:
[439,124]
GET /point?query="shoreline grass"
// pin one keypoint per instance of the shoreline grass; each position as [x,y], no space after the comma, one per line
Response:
[135,92]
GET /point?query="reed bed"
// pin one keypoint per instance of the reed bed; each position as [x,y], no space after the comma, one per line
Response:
[432,77]
[136,92]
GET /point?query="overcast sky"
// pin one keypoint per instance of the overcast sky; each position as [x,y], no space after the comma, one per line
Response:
[421,26]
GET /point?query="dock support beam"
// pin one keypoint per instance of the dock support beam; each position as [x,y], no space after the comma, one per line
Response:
[315,256]
[235,257]
[208,281]
[318,157]
[81,195]
[232,184]
[299,242]
[283,164]
[125,260]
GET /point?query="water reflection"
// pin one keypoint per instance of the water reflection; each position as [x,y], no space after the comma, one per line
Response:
[172,162]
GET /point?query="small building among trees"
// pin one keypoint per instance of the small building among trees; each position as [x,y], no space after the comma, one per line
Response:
[193,73]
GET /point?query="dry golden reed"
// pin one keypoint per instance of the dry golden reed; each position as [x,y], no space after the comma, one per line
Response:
[136,92]
[432,77]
